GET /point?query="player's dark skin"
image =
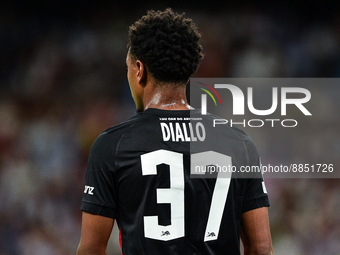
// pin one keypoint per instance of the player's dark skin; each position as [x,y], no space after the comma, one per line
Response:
[147,93]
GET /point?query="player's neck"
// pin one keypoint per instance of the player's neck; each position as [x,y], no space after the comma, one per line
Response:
[166,97]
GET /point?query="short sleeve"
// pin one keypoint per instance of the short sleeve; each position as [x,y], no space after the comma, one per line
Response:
[255,195]
[99,192]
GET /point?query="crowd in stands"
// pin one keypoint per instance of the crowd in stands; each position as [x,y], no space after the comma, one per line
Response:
[63,81]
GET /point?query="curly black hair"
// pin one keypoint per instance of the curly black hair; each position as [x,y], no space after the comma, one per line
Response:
[168,44]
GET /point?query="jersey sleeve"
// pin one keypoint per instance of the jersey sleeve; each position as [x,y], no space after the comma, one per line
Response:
[255,195]
[99,193]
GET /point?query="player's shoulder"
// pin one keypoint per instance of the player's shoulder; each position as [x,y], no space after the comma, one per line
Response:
[232,130]
[113,134]
[123,126]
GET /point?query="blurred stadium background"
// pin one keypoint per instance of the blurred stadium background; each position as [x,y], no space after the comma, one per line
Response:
[63,81]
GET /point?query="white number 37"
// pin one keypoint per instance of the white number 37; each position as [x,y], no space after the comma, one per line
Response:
[174,195]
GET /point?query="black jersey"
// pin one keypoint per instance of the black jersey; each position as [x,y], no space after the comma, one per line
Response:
[140,173]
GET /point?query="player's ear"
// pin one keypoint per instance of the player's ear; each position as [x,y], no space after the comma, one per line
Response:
[141,73]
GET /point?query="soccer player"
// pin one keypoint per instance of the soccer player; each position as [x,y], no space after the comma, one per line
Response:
[140,171]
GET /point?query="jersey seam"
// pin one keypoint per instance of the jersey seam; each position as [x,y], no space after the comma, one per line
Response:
[99,204]
[244,145]
[121,138]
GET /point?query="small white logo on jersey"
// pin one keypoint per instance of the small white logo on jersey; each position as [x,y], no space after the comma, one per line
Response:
[88,190]
[264,188]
